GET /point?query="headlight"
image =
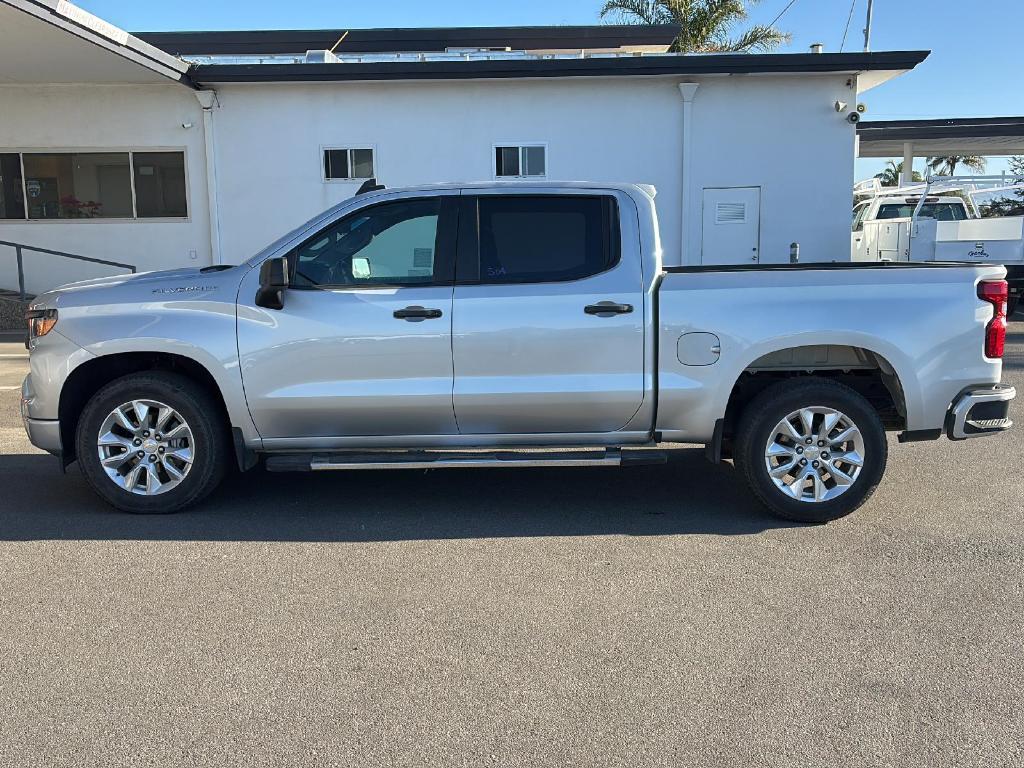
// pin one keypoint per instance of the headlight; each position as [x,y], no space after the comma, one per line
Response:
[40,322]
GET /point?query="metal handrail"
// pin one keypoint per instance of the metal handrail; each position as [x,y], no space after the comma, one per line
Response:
[19,247]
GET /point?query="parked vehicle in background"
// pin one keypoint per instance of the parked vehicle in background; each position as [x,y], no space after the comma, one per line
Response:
[509,325]
[923,222]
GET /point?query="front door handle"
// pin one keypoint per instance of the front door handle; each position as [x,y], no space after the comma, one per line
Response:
[608,309]
[415,314]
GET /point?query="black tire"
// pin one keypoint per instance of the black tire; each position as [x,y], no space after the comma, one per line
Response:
[200,411]
[769,408]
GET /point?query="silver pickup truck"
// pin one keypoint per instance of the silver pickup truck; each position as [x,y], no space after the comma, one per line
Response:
[510,325]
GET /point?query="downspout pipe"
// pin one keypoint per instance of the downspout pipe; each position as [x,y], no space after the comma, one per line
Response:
[208,101]
[689,222]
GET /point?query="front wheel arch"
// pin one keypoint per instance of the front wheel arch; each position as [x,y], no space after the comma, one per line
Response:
[134,463]
[91,376]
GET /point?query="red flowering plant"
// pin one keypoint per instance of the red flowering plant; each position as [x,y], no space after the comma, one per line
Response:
[73,208]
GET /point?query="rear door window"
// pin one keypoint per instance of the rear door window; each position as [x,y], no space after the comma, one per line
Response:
[937,211]
[543,238]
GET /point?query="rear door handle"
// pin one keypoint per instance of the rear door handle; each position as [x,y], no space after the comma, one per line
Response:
[416,313]
[607,309]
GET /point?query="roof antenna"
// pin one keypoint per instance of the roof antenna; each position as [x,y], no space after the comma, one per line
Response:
[370,185]
[335,46]
[867,28]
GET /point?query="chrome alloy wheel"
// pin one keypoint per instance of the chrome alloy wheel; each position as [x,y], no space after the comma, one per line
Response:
[145,447]
[815,454]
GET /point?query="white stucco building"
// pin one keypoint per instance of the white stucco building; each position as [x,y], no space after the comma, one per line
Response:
[185,149]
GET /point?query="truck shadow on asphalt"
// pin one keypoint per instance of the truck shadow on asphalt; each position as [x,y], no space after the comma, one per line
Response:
[686,496]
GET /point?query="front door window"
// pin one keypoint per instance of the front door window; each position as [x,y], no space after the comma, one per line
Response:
[389,244]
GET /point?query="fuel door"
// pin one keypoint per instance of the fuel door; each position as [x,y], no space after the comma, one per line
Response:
[698,348]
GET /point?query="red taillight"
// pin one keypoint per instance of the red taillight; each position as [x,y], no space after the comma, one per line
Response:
[996,293]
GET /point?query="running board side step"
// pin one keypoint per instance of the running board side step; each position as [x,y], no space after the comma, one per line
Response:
[319,462]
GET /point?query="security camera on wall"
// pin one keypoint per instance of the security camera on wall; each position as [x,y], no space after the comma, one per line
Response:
[853,117]
[862,108]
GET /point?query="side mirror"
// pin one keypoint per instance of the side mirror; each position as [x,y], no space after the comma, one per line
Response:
[273,282]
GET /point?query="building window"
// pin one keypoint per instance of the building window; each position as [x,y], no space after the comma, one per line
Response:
[159,184]
[520,161]
[92,185]
[346,164]
[12,191]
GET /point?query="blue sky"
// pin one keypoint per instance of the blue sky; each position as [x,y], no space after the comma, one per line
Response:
[974,70]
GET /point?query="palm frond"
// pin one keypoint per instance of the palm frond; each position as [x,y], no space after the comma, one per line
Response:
[946,166]
[705,25]
[758,38]
[636,11]
[974,162]
[892,176]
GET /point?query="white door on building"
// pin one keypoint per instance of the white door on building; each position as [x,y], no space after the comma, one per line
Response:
[731,225]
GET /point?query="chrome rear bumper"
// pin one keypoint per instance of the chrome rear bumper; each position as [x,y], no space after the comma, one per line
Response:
[980,412]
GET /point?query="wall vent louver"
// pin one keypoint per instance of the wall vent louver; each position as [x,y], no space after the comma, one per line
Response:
[730,213]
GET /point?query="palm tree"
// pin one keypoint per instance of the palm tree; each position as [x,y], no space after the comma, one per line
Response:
[1006,205]
[946,166]
[893,174]
[705,24]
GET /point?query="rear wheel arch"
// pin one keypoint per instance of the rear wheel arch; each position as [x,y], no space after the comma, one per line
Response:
[89,377]
[863,370]
[812,451]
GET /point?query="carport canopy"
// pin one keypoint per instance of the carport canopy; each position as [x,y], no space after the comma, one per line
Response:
[908,139]
[54,41]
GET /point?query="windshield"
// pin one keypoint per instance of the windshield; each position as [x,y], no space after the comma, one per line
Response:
[298,230]
[858,215]
[937,211]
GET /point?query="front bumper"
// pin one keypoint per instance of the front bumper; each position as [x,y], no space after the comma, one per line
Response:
[981,411]
[42,433]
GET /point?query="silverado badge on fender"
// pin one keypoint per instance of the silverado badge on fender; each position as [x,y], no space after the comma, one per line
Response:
[186,289]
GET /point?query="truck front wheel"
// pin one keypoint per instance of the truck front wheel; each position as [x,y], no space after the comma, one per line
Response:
[812,450]
[152,443]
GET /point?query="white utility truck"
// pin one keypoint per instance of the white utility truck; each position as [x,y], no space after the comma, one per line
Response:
[924,222]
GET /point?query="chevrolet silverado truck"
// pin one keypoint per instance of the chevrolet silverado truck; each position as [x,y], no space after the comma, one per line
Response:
[510,325]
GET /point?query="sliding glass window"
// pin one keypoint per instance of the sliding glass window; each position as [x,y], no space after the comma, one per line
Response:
[93,185]
[159,184]
[12,192]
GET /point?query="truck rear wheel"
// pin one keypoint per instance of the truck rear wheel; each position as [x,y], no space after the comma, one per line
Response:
[812,450]
[152,443]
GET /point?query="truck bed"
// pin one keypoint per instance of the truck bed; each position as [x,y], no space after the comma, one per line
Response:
[913,319]
[818,265]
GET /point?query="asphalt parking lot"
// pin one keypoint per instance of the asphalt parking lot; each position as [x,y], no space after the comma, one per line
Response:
[643,616]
